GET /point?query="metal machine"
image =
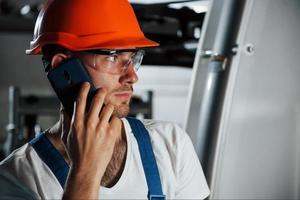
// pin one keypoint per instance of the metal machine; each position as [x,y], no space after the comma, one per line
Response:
[244,100]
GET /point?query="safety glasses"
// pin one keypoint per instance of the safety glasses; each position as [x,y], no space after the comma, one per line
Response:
[116,61]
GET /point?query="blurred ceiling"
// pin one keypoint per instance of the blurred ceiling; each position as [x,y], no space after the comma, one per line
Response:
[176,25]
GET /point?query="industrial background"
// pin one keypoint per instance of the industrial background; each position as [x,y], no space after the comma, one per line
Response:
[227,71]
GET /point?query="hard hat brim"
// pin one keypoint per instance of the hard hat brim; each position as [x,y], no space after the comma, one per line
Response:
[78,44]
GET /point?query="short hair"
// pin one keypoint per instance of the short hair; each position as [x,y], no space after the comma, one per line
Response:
[49,50]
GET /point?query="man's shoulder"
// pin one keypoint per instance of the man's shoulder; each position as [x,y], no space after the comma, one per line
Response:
[159,124]
[12,188]
[22,155]
[165,130]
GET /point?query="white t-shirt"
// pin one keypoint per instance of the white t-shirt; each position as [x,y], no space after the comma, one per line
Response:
[179,168]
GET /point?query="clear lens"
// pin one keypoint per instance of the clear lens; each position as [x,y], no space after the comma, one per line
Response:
[137,59]
[119,62]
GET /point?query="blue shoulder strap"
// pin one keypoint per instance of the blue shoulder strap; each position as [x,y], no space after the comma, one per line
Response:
[51,157]
[148,159]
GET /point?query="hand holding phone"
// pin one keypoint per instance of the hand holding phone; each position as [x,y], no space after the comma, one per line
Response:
[90,143]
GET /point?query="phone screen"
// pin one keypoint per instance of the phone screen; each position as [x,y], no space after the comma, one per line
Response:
[66,80]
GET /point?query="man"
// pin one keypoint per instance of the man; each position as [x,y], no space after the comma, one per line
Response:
[96,152]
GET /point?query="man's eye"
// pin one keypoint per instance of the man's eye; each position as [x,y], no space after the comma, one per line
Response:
[112,58]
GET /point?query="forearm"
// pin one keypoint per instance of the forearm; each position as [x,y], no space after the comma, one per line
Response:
[82,185]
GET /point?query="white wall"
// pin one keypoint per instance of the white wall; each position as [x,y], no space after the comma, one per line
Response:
[170,87]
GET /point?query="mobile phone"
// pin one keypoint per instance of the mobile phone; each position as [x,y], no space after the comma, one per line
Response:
[66,80]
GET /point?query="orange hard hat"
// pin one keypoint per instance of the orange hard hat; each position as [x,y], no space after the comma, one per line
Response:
[88,24]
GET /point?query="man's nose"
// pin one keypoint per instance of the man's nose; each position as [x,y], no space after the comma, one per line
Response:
[129,75]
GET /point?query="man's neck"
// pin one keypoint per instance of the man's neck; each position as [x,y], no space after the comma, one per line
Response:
[54,134]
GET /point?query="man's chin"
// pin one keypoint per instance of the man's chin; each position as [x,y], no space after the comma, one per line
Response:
[121,111]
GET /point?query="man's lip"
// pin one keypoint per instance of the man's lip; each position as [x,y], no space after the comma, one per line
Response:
[123,94]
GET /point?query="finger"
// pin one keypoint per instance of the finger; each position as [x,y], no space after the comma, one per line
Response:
[97,104]
[106,113]
[116,124]
[80,104]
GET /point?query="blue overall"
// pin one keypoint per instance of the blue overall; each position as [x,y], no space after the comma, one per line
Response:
[60,168]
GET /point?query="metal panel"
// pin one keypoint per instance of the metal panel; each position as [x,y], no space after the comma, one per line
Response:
[258,151]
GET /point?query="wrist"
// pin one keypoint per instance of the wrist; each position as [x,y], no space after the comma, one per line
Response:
[82,184]
[83,172]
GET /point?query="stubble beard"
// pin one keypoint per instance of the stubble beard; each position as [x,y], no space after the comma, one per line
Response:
[121,110]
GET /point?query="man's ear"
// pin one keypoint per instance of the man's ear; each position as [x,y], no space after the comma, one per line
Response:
[58,58]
